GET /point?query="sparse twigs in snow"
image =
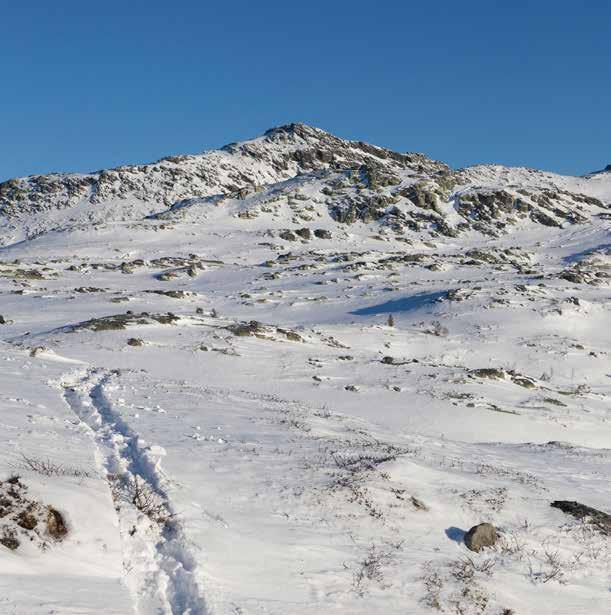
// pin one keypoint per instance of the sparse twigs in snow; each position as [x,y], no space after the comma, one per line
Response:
[433,584]
[139,493]
[371,568]
[438,329]
[147,501]
[454,588]
[465,569]
[46,467]
[550,569]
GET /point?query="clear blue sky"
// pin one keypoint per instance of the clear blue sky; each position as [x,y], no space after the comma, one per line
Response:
[89,85]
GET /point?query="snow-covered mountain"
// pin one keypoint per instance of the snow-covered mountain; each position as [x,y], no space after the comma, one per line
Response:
[288,375]
[348,181]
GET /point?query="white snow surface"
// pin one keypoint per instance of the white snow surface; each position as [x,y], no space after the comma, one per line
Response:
[302,454]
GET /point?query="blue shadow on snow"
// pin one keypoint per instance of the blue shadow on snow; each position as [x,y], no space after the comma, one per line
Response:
[406,304]
[456,534]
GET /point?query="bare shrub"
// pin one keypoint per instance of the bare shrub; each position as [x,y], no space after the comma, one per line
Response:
[362,462]
[438,329]
[324,412]
[551,569]
[547,376]
[433,584]
[46,467]
[465,569]
[360,495]
[148,501]
[137,492]
[510,544]
[370,568]
[471,598]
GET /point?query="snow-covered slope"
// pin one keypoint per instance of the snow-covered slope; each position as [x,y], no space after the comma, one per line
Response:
[287,376]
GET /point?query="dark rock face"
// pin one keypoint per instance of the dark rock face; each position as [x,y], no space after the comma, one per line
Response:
[377,176]
[598,518]
[421,196]
[361,207]
[481,536]
[486,206]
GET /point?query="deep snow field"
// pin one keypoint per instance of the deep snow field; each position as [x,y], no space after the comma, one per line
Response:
[268,443]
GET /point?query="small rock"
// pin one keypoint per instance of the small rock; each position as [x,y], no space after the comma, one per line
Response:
[304,233]
[288,236]
[246,329]
[135,341]
[489,372]
[523,381]
[9,540]
[480,536]
[56,526]
[418,504]
[37,350]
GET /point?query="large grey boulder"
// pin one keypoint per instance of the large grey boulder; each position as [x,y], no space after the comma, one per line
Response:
[480,536]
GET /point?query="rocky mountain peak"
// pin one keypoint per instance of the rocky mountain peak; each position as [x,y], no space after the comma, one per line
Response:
[348,181]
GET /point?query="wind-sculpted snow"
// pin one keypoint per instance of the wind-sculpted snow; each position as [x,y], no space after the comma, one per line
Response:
[289,376]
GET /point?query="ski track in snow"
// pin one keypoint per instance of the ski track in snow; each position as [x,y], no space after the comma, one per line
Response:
[168,577]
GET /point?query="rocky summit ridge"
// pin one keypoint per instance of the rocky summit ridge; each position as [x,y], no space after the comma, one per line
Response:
[348,181]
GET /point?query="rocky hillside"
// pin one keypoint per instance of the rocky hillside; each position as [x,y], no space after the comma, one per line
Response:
[344,181]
